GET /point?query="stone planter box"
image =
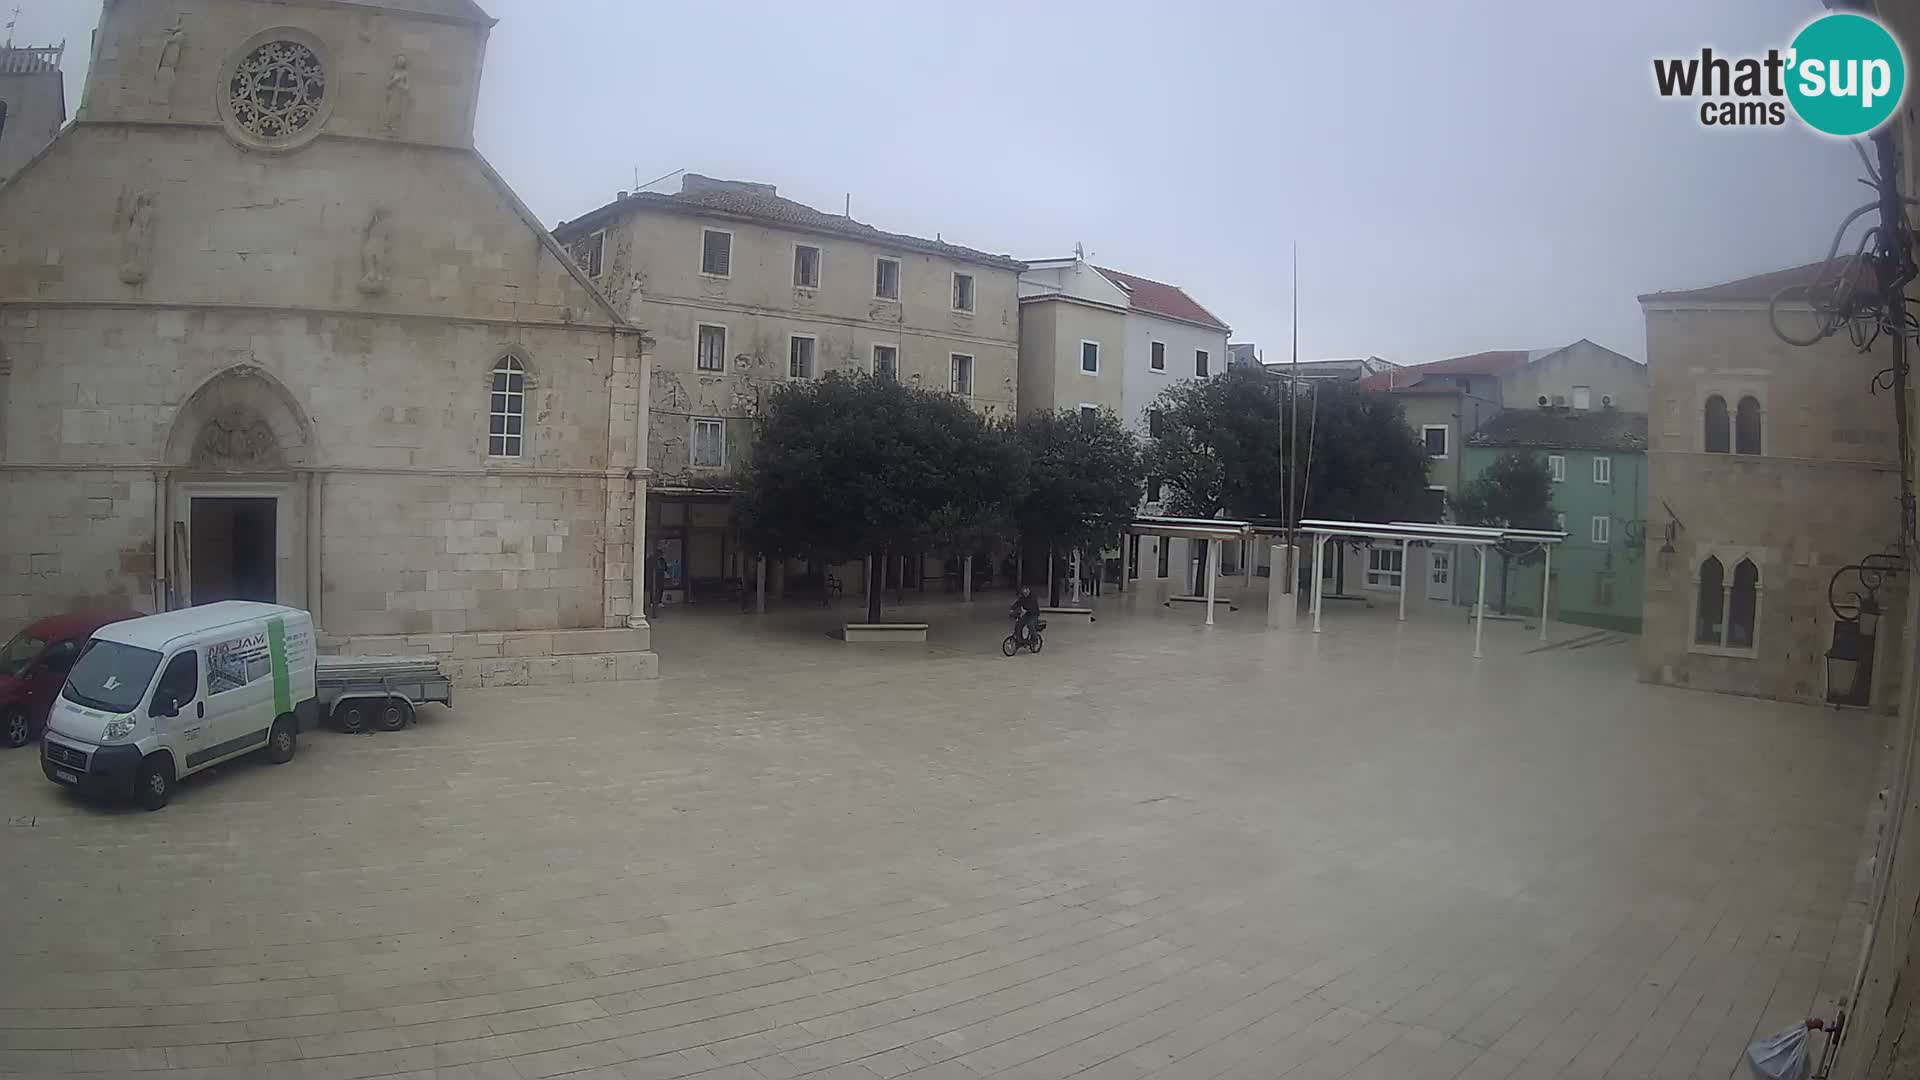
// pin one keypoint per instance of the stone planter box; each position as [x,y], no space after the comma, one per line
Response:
[1069,612]
[886,633]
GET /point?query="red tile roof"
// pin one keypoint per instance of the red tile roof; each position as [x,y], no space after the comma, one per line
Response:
[1160,298]
[1495,362]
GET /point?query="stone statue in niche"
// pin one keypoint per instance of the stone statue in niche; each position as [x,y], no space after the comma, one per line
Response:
[136,238]
[399,95]
[236,440]
[376,254]
[167,72]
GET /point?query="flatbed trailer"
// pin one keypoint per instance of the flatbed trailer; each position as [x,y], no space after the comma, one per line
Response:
[358,692]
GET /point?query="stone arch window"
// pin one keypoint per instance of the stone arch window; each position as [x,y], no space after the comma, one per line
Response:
[278,90]
[1726,613]
[1719,428]
[1746,426]
[507,411]
[1710,610]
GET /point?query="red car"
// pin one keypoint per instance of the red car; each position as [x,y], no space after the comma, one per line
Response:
[34,665]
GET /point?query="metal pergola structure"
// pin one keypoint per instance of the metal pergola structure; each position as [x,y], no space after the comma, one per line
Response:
[1190,529]
[1412,532]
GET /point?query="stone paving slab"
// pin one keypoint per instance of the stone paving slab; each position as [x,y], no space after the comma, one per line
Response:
[1155,850]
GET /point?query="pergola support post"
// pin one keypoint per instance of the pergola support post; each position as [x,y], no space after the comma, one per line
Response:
[1403,581]
[966,580]
[1319,553]
[1213,576]
[1546,590]
[1480,604]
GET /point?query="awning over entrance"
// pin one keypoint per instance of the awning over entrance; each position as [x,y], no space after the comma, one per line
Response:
[1404,533]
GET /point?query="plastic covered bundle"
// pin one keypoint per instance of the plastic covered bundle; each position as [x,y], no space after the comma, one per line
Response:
[1781,1056]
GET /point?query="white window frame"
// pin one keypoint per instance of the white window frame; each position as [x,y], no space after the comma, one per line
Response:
[899,284]
[1389,579]
[1197,355]
[693,441]
[1603,470]
[1730,559]
[873,359]
[726,339]
[510,365]
[813,357]
[1600,529]
[973,293]
[1580,392]
[1157,356]
[1085,405]
[704,272]
[819,266]
[1084,342]
[1446,440]
[972,373]
[1557,468]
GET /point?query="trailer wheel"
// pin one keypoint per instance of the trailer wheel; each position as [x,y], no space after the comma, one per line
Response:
[395,714]
[351,715]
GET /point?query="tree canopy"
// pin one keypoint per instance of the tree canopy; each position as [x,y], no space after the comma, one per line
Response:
[1082,478]
[850,466]
[1515,492]
[1218,444]
[1223,446]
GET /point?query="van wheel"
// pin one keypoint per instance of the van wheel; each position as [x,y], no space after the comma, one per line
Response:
[282,741]
[351,716]
[16,727]
[154,788]
[395,714]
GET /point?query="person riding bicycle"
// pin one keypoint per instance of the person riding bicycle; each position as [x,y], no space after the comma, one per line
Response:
[1026,608]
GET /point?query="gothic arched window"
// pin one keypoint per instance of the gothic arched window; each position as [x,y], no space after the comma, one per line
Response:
[1719,430]
[1746,426]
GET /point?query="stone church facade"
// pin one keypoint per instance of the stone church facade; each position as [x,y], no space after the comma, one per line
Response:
[271,328]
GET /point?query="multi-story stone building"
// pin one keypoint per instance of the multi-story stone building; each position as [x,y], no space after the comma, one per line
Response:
[1096,338]
[33,103]
[743,290]
[1447,401]
[271,328]
[1598,461]
[1772,470]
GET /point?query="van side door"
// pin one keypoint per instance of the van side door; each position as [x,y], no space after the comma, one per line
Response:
[179,715]
[239,673]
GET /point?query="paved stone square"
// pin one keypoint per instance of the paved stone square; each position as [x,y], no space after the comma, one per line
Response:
[1154,849]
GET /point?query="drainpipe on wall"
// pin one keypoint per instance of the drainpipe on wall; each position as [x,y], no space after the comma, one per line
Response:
[162,560]
[643,405]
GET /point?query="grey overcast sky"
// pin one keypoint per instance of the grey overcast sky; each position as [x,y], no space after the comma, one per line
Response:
[1459,176]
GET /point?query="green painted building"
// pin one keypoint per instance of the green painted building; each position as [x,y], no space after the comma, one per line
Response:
[1599,463]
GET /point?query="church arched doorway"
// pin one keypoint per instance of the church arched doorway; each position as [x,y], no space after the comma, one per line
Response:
[237,500]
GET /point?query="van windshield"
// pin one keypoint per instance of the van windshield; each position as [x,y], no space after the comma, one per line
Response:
[20,654]
[110,676]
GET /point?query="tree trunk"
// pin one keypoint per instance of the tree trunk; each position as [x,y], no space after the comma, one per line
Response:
[1503,582]
[1200,570]
[877,581]
[1053,576]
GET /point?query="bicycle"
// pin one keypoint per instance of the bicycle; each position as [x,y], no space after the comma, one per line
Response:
[1035,642]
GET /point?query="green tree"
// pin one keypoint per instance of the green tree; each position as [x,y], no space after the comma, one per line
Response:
[1082,480]
[1360,459]
[1218,447]
[1515,492]
[851,466]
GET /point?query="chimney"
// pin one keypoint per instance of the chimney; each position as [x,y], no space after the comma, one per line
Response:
[622,197]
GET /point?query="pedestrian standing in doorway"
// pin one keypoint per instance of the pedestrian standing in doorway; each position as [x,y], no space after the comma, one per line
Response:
[657,581]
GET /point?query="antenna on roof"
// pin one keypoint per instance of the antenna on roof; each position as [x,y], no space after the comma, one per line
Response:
[11,23]
[1079,251]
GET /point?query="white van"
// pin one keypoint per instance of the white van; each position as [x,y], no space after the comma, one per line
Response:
[152,700]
